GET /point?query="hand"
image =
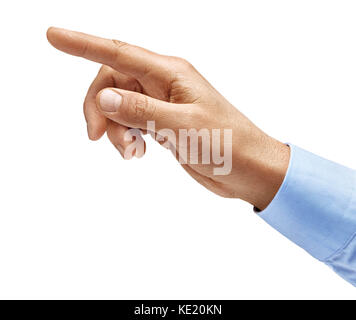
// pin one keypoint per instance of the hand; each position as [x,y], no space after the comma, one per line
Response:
[135,87]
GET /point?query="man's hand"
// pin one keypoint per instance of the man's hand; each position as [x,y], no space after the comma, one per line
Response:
[135,87]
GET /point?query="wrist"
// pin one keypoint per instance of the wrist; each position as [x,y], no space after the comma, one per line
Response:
[266,165]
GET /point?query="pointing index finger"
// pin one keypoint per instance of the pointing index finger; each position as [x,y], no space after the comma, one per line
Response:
[123,57]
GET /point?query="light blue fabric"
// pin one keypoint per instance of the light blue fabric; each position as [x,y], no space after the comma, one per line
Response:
[315,207]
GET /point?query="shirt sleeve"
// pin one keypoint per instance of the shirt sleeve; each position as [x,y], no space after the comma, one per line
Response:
[315,208]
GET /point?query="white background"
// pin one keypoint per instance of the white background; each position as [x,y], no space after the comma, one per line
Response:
[77,221]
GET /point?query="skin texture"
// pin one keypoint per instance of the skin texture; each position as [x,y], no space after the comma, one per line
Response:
[171,92]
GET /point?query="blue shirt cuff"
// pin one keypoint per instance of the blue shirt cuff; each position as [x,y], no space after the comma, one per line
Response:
[315,206]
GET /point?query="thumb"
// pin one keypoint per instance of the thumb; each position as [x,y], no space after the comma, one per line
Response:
[134,109]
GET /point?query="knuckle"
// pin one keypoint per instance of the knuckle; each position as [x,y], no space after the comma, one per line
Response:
[184,64]
[139,110]
[120,44]
[85,49]
[104,69]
